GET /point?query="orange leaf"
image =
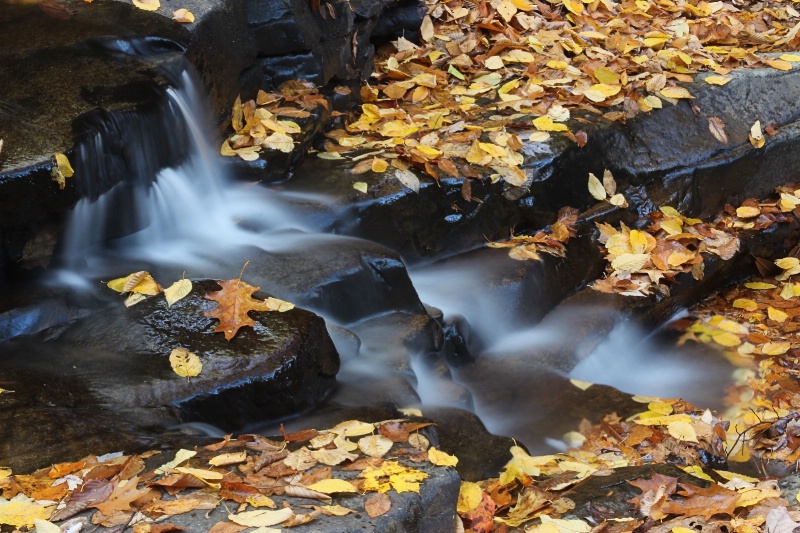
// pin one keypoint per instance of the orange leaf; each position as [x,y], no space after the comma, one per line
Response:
[235,302]
[707,502]
[377,505]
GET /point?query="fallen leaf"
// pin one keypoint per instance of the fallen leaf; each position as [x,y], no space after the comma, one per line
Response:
[377,505]
[235,302]
[177,291]
[596,188]
[21,513]
[147,5]
[261,518]
[183,15]
[332,485]
[717,128]
[185,363]
[375,445]
[407,178]
[440,458]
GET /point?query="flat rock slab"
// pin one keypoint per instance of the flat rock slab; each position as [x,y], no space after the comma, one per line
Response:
[117,363]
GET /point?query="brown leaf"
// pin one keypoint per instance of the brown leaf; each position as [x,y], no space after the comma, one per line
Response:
[377,505]
[92,492]
[235,302]
[394,430]
[705,502]
[481,518]
[466,190]
[121,497]
[299,436]
[226,527]
[581,138]
[717,128]
[652,485]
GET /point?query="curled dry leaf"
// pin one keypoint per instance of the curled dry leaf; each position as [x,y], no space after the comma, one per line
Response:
[147,5]
[183,15]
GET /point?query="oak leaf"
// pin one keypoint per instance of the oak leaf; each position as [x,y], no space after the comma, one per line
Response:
[122,495]
[235,302]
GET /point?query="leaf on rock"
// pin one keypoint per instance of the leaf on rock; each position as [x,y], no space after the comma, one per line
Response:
[231,458]
[183,15]
[124,492]
[377,505]
[705,502]
[178,290]
[332,485]
[407,178]
[261,518]
[596,188]
[139,282]
[375,445]
[235,302]
[717,128]
[440,458]
[392,475]
[147,5]
[185,363]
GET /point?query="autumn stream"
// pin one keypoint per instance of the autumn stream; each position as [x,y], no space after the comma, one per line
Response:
[195,220]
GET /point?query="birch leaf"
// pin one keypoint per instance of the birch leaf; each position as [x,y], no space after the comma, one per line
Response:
[185,363]
[407,178]
[596,188]
[178,290]
[261,518]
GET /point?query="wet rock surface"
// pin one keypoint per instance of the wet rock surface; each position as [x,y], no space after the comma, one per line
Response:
[116,363]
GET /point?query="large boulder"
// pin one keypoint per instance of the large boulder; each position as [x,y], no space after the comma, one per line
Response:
[113,368]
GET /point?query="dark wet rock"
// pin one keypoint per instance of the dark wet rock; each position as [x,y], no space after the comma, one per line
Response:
[116,362]
[606,496]
[481,455]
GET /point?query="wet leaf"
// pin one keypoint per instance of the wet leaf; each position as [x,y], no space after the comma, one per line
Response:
[279,141]
[596,188]
[235,302]
[138,282]
[185,363]
[469,496]
[717,128]
[177,291]
[407,178]
[361,186]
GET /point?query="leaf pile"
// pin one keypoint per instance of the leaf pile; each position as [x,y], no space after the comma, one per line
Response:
[641,260]
[267,122]
[288,482]
[551,240]
[488,75]
[670,431]
[757,324]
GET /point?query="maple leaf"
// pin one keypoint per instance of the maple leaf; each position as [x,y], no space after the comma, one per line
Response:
[235,302]
[121,497]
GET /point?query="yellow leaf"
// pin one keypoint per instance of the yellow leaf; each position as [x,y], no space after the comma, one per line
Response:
[379,165]
[63,166]
[759,285]
[469,496]
[397,128]
[493,150]
[747,211]
[177,291]
[792,58]
[574,6]
[682,431]
[261,518]
[547,124]
[717,80]
[147,5]
[675,92]
[583,385]
[606,89]
[696,471]
[606,76]
[653,101]
[775,348]
[686,529]
[22,513]
[183,15]
[231,458]
[139,282]
[185,363]
[392,475]
[518,56]
[630,262]
[440,458]
[353,428]
[662,408]
[732,327]
[778,64]
[329,486]
[360,186]
[43,526]
[654,42]
[787,263]
[638,240]
[181,456]
[727,339]
[205,475]
[655,419]
[429,151]
[618,200]
[776,314]
[494,63]
[557,65]
[279,141]
[745,303]
[756,136]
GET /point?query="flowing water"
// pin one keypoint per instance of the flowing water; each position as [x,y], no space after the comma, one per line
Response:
[189,216]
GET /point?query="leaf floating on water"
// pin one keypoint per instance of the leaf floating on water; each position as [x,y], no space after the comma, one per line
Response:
[185,363]
[178,290]
[183,15]
[147,5]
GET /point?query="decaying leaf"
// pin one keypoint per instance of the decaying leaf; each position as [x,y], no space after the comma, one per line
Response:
[717,128]
[377,505]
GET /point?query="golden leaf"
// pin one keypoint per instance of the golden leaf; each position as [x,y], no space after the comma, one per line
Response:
[183,15]
[205,475]
[675,93]
[776,314]
[630,262]
[778,64]
[682,431]
[360,186]
[494,63]
[147,5]
[727,339]
[332,485]
[43,526]
[787,263]
[759,285]
[547,124]
[231,458]
[606,76]
[63,166]
[573,6]
[178,290]
[440,458]
[745,303]
[469,496]
[792,58]
[717,80]
[775,348]
[139,282]
[379,165]
[185,363]
[22,513]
